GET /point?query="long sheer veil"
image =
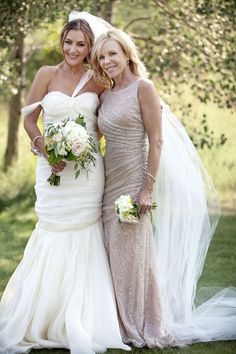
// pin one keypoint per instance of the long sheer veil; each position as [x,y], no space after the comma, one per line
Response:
[184,223]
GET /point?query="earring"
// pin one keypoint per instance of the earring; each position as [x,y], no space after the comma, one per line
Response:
[127,62]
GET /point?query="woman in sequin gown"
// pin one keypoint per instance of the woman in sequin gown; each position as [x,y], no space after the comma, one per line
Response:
[133,146]
[155,267]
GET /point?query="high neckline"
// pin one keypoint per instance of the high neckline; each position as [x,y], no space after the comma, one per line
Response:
[125,88]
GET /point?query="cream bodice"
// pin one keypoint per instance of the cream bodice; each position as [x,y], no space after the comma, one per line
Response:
[57,106]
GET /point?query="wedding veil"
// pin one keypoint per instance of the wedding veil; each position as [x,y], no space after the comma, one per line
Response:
[184,223]
[97,24]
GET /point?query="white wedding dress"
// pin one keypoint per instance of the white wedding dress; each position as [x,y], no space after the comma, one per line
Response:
[61,294]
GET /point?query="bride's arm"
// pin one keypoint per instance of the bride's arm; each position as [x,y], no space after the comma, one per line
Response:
[151,115]
[37,92]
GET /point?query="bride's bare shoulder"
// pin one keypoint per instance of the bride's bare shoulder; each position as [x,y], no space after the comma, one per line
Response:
[48,72]
[41,82]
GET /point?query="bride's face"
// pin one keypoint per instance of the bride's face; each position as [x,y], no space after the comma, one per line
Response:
[112,59]
[75,48]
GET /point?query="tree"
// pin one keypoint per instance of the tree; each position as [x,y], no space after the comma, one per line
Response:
[188,43]
[182,43]
[16,21]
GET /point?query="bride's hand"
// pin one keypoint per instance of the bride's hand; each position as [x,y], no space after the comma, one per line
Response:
[144,201]
[58,167]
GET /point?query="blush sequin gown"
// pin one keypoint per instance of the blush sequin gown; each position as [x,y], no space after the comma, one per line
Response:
[155,267]
[130,247]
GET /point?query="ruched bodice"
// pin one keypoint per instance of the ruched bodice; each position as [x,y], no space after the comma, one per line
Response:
[57,106]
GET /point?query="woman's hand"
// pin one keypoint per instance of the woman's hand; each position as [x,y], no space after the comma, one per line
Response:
[144,201]
[58,167]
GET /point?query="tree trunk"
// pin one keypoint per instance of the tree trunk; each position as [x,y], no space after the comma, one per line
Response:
[106,10]
[11,152]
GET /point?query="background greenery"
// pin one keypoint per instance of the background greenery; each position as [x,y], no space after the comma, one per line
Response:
[197,84]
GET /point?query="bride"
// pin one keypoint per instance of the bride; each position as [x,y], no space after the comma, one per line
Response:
[61,294]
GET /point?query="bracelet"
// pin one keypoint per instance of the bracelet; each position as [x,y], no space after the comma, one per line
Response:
[34,148]
[149,174]
[33,141]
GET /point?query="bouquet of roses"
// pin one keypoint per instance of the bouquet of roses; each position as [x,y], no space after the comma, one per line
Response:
[69,140]
[127,209]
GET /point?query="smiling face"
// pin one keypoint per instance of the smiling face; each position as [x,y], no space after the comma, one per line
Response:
[75,48]
[112,59]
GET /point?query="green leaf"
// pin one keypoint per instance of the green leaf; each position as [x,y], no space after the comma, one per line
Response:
[77,173]
[80,120]
[71,157]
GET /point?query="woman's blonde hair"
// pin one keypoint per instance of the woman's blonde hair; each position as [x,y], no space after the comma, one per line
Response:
[129,49]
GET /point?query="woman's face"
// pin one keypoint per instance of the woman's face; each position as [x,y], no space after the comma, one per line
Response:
[75,48]
[112,59]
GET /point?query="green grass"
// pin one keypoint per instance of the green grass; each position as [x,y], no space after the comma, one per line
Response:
[201,348]
[17,219]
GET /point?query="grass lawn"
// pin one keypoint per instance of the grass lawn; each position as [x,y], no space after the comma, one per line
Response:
[17,221]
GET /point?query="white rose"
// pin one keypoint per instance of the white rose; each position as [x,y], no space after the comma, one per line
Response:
[57,137]
[81,131]
[77,148]
[78,133]
[70,125]
[124,203]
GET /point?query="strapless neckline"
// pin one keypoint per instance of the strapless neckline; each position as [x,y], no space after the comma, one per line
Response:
[64,94]
[59,105]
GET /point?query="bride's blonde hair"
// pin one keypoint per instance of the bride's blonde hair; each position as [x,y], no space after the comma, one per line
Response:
[129,49]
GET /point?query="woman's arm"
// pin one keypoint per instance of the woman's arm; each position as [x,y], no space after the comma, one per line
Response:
[37,92]
[151,114]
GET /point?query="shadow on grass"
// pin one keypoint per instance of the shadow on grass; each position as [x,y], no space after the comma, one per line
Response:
[26,192]
[17,220]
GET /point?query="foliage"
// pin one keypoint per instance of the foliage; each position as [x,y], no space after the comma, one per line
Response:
[26,16]
[191,43]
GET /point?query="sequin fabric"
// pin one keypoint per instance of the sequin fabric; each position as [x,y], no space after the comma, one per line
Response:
[130,247]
